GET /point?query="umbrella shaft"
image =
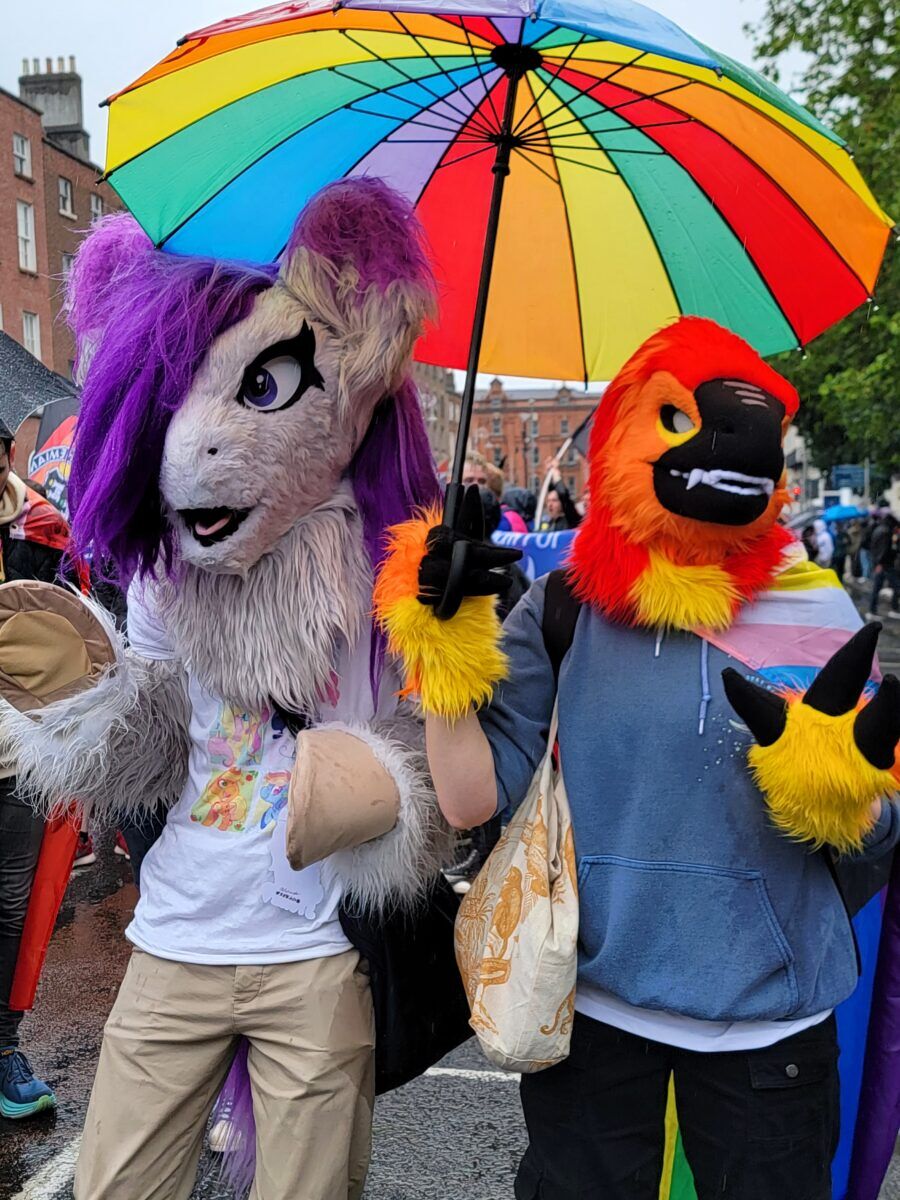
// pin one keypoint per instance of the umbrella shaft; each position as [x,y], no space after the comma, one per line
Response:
[500,169]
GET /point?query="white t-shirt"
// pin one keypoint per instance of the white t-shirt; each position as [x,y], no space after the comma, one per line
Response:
[216,888]
[688,1033]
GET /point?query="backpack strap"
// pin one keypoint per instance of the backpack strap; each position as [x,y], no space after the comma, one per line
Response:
[561,609]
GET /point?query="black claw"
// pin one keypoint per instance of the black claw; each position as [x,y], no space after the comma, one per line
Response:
[876,729]
[471,517]
[764,713]
[839,685]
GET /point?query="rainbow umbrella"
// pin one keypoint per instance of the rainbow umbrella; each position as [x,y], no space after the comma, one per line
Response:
[584,169]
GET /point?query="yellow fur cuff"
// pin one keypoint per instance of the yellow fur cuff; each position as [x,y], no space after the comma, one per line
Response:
[450,664]
[817,785]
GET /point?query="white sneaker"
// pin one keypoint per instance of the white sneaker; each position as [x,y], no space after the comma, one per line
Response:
[895,616]
[872,617]
[222,1137]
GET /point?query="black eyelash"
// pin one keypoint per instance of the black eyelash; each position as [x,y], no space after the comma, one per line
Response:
[303,348]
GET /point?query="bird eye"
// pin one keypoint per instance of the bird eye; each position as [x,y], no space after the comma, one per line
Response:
[280,375]
[271,384]
[675,420]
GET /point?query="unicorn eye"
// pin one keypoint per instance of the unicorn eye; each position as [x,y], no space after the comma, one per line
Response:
[272,384]
[280,375]
[675,420]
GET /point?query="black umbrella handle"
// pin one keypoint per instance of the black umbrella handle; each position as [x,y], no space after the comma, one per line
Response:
[454,593]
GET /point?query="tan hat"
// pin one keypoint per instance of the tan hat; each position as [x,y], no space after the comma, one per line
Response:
[52,644]
[339,796]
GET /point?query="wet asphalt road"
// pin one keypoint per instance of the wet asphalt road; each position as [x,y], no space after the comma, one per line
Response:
[443,1136]
[447,1135]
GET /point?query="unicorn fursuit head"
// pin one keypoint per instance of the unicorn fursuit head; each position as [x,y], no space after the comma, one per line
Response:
[247,435]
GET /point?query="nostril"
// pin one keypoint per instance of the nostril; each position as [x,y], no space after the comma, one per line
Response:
[213,450]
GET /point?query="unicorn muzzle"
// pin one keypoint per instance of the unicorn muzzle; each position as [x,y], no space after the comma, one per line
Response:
[211,525]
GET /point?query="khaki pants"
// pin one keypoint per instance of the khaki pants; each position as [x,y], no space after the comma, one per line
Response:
[167,1047]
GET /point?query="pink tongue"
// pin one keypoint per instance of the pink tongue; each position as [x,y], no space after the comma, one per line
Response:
[206,530]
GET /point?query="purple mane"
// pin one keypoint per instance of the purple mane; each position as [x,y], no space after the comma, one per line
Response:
[144,321]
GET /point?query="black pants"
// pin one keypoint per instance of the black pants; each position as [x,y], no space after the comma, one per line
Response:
[21,833]
[756,1125]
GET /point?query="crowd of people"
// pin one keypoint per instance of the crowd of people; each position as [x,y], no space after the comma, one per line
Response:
[863,550]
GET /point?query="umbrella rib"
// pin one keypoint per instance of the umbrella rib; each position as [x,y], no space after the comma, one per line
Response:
[619,129]
[430,56]
[445,162]
[417,108]
[415,120]
[542,119]
[487,91]
[536,99]
[576,161]
[525,152]
[411,78]
[615,108]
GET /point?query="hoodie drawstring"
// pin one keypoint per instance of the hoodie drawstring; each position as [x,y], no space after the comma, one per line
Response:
[705,693]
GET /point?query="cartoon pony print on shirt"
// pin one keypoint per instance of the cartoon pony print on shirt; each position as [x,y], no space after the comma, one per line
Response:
[236,744]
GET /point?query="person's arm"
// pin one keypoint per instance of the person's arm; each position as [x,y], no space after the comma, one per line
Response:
[483,764]
[462,769]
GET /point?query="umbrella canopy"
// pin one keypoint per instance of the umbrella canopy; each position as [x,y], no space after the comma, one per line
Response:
[649,175]
[843,512]
[26,384]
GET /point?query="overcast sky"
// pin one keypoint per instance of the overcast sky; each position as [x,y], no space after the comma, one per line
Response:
[114,41]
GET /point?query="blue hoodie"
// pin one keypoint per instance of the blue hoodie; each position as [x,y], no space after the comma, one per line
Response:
[691,900]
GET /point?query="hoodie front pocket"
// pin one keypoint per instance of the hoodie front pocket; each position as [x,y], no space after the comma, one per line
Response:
[692,939]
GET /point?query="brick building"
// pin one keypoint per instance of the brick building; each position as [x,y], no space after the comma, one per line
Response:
[49,195]
[520,428]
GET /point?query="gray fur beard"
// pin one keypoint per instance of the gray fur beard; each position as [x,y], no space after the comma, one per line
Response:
[273,634]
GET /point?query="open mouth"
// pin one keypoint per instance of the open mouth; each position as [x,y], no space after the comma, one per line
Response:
[212,525]
[727,481]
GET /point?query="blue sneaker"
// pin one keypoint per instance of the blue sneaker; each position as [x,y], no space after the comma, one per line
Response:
[21,1095]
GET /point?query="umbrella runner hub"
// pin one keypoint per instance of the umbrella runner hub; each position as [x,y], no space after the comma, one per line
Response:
[515,59]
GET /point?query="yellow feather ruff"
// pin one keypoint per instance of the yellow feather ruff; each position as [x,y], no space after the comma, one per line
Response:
[818,786]
[670,596]
[450,664]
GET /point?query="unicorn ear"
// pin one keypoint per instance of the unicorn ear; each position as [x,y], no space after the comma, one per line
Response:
[356,260]
[115,248]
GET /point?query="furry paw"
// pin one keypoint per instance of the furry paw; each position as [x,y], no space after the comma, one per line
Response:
[822,757]
[454,663]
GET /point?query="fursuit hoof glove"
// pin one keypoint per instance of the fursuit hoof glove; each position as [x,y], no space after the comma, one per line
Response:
[340,796]
[451,664]
[822,759]
[54,644]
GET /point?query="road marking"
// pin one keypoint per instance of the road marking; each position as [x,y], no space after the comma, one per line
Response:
[53,1176]
[459,1073]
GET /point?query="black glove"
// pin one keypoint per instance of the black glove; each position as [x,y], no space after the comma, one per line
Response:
[460,563]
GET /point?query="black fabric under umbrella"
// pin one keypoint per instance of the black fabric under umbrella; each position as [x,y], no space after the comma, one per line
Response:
[26,384]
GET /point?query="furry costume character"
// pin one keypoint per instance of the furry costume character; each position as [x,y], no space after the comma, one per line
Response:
[709,919]
[245,438]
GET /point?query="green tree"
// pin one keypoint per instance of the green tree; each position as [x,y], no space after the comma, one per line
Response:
[850,377]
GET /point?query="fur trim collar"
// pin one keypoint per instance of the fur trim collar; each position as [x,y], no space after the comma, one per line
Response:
[274,633]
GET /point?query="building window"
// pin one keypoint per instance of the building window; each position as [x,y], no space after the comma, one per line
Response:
[68,261]
[564,426]
[22,155]
[572,484]
[534,426]
[31,333]
[96,206]
[25,223]
[498,456]
[535,455]
[495,426]
[66,201]
[496,399]
[570,457]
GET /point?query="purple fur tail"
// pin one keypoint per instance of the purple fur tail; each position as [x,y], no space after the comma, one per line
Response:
[235,1106]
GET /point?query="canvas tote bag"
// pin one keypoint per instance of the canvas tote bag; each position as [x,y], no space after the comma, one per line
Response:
[517,932]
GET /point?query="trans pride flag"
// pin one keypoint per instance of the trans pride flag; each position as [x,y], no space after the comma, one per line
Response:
[784,637]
